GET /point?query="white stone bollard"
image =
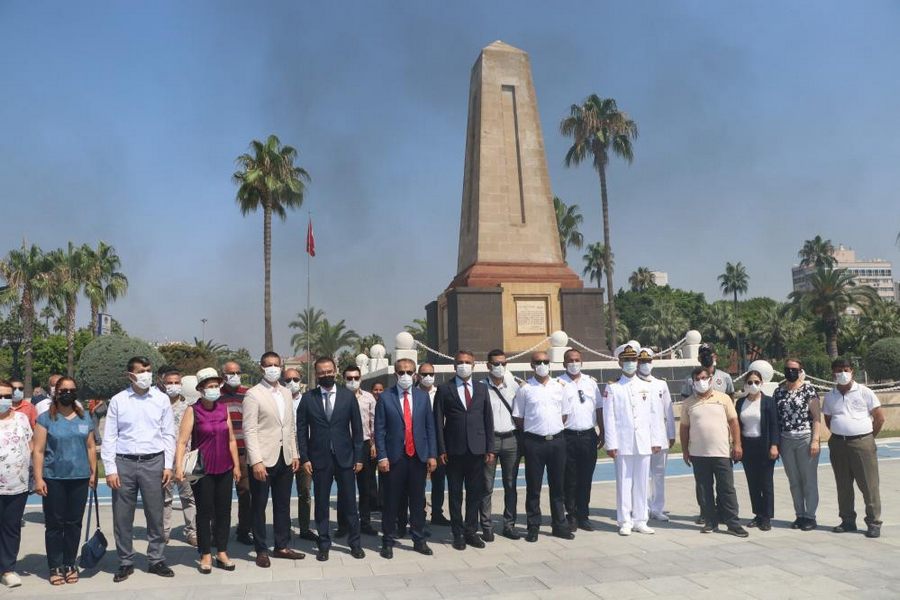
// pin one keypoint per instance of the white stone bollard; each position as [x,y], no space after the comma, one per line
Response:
[558,345]
[691,348]
[362,361]
[376,358]
[405,347]
[767,371]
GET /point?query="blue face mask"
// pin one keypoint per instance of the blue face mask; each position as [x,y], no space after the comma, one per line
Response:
[5,404]
[18,395]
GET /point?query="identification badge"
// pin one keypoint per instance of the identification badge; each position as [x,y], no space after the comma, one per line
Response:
[83,429]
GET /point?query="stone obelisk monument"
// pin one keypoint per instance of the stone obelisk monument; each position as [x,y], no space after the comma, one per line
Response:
[512,287]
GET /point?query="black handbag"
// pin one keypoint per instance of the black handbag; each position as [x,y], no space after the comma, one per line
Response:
[94,547]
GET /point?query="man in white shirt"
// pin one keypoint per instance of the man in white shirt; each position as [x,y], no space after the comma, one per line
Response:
[439,475]
[137,452]
[302,480]
[365,479]
[662,410]
[502,389]
[854,416]
[540,410]
[581,440]
[632,435]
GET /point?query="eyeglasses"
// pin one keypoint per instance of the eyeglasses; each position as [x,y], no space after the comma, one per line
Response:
[498,364]
[294,379]
[581,396]
[6,397]
[540,362]
[349,378]
[406,372]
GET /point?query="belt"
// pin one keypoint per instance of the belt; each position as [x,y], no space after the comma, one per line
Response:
[504,435]
[139,457]
[582,432]
[850,437]
[544,438]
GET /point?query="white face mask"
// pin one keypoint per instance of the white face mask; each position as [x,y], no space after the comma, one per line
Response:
[173,390]
[233,380]
[143,381]
[752,388]
[272,374]
[18,395]
[428,380]
[464,370]
[294,386]
[541,370]
[843,378]
[573,368]
[405,381]
[352,384]
[701,386]
[498,371]
[629,367]
[212,394]
[644,369]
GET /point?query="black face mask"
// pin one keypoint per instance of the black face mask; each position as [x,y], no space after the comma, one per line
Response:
[67,397]
[327,381]
[706,360]
[792,374]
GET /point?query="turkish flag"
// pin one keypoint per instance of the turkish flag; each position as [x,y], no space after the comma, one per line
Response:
[310,240]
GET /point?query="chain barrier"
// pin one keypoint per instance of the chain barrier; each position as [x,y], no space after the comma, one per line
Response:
[532,349]
[591,350]
[432,350]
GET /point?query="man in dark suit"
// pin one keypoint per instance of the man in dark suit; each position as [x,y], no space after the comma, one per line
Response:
[464,423]
[330,441]
[406,446]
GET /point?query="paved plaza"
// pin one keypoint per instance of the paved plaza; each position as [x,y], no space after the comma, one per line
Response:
[677,562]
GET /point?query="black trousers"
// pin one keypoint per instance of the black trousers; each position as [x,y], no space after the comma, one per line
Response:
[63,511]
[715,479]
[465,470]
[581,458]
[279,482]
[11,510]
[323,476]
[760,470]
[404,487]
[541,454]
[438,485]
[212,493]
[365,479]
[245,508]
[304,500]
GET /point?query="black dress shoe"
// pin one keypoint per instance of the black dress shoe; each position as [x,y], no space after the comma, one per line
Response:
[873,531]
[564,534]
[387,552]
[367,529]
[322,555]
[699,520]
[244,537]
[401,532]
[161,569]
[572,521]
[422,548]
[475,541]
[798,523]
[487,536]
[845,527]
[339,533]
[532,535]
[124,572]
[440,520]
[765,525]
[754,522]
[262,560]
[585,525]
[511,534]
[737,531]
[808,525]
[357,552]
[459,543]
[289,554]
[309,535]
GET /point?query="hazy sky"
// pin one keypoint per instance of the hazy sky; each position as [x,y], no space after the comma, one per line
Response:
[761,125]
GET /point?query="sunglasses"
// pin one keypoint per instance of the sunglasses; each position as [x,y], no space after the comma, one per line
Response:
[349,378]
[499,364]
[18,387]
[406,372]
[6,397]
[426,374]
[752,382]
[294,379]
[540,362]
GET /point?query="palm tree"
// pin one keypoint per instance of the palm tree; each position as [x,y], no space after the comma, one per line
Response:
[720,324]
[664,324]
[641,279]
[308,323]
[596,260]
[47,313]
[269,179]
[775,329]
[66,281]
[331,339]
[27,271]
[598,127]
[365,343]
[103,282]
[210,347]
[879,320]
[817,253]
[831,293]
[735,281]
[568,219]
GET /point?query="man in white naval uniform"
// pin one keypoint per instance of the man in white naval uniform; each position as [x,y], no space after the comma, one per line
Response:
[662,409]
[632,435]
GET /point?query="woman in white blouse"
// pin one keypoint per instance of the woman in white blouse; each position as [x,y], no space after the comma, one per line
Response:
[760,437]
[15,460]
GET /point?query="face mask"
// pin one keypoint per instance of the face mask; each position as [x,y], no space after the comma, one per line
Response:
[629,367]
[498,371]
[233,380]
[173,390]
[294,386]
[405,381]
[5,404]
[541,370]
[212,394]
[464,370]
[326,382]
[18,395]
[272,373]
[573,368]
[843,378]
[701,386]
[752,388]
[428,380]
[67,397]
[143,381]
[645,368]
[792,374]
[352,385]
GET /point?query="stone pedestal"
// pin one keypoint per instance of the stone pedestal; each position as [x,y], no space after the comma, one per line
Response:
[582,316]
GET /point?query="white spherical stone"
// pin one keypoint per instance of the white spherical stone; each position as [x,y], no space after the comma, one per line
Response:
[693,337]
[765,369]
[362,360]
[559,339]
[377,351]
[404,341]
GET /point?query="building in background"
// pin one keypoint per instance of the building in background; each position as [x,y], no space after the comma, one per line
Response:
[877,274]
[660,278]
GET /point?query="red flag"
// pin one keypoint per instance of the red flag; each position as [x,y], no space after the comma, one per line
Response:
[310,240]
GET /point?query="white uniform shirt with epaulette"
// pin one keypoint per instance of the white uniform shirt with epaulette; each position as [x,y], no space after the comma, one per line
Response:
[542,406]
[628,417]
[586,403]
[662,407]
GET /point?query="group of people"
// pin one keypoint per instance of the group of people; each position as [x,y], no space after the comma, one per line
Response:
[264,440]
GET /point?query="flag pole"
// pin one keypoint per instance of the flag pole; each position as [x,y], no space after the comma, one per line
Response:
[308,305]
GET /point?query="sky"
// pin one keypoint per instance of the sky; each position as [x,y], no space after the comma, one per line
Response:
[761,124]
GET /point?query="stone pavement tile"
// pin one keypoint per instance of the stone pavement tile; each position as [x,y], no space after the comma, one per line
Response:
[624,560]
[329,584]
[307,572]
[416,593]
[289,588]
[575,564]
[570,593]
[390,567]
[824,585]
[620,590]
[225,592]
[360,568]
[527,569]
[675,584]
[617,573]
[432,578]
[806,567]
[868,578]
[482,574]
[568,579]
[376,582]
[463,590]
[784,591]
[355,595]
[516,584]
[872,594]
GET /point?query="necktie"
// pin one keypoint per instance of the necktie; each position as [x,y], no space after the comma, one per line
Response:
[409,443]
[468,395]
[329,408]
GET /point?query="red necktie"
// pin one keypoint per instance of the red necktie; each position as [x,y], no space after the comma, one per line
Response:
[468,395]
[407,426]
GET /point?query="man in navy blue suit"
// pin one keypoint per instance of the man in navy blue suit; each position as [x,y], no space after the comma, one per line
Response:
[330,442]
[407,450]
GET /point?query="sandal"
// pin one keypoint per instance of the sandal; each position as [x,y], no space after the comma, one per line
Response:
[57,577]
[72,575]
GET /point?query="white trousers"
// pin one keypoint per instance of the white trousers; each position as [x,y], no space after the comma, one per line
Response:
[658,481]
[632,473]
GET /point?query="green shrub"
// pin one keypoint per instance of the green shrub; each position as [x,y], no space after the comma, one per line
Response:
[101,369]
[186,358]
[883,360]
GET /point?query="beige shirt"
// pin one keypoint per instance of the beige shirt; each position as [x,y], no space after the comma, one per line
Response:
[707,420]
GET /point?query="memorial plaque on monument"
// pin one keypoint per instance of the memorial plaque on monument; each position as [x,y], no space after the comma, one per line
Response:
[531,316]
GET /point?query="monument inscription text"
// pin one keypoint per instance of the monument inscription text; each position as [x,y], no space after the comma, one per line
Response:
[531,316]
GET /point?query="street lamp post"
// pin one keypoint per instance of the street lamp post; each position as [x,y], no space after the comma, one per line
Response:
[203,335]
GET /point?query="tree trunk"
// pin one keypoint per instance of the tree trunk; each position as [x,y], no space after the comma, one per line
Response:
[831,346]
[267,260]
[613,335]
[28,337]
[737,334]
[70,336]
[95,312]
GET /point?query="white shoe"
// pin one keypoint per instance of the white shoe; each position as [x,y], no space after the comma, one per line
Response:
[663,517]
[642,528]
[625,530]
[11,580]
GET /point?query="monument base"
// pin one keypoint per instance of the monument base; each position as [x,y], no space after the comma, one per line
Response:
[583,317]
